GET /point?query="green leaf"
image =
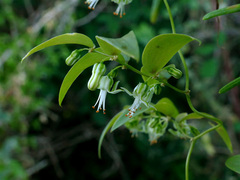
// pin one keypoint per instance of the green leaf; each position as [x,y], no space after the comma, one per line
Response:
[123,118]
[230,85]
[106,129]
[223,11]
[233,163]
[225,137]
[167,107]
[192,116]
[127,44]
[156,4]
[69,38]
[83,63]
[161,49]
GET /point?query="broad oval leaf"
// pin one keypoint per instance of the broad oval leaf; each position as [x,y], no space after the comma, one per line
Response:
[161,49]
[127,44]
[166,107]
[222,11]
[233,163]
[230,85]
[106,129]
[86,61]
[123,118]
[69,38]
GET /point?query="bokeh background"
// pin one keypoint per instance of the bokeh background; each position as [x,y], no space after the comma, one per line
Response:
[39,139]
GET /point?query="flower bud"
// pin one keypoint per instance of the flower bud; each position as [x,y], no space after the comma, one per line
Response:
[74,57]
[98,71]
[157,89]
[176,73]
[140,89]
[106,83]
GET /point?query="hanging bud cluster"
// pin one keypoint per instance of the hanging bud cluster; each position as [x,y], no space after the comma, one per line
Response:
[155,128]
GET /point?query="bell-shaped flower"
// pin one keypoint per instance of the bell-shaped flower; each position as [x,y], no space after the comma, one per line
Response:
[106,85]
[155,128]
[142,94]
[91,3]
[121,7]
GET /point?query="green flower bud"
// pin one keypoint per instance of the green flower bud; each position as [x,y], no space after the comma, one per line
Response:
[98,71]
[106,83]
[176,73]
[140,89]
[157,89]
[74,57]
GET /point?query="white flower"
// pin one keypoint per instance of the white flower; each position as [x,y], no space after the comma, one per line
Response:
[120,9]
[105,86]
[91,3]
[142,94]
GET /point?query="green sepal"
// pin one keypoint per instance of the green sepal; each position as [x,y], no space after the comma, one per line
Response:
[69,38]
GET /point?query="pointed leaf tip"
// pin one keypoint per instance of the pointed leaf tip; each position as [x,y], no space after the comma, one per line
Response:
[127,44]
[159,50]
[69,38]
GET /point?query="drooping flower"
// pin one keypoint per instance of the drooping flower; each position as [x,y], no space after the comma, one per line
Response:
[142,94]
[105,86]
[91,3]
[155,128]
[121,7]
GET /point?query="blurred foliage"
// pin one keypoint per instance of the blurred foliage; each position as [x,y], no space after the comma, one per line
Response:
[41,140]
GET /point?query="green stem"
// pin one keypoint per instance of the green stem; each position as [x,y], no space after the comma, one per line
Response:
[135,70]
[179,52]
[170,16]
[193,141]
[174,88]
[207,131]
[208,116]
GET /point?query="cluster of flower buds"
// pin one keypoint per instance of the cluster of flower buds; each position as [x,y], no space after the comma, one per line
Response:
[155,128]
[120,9]
[182,128]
